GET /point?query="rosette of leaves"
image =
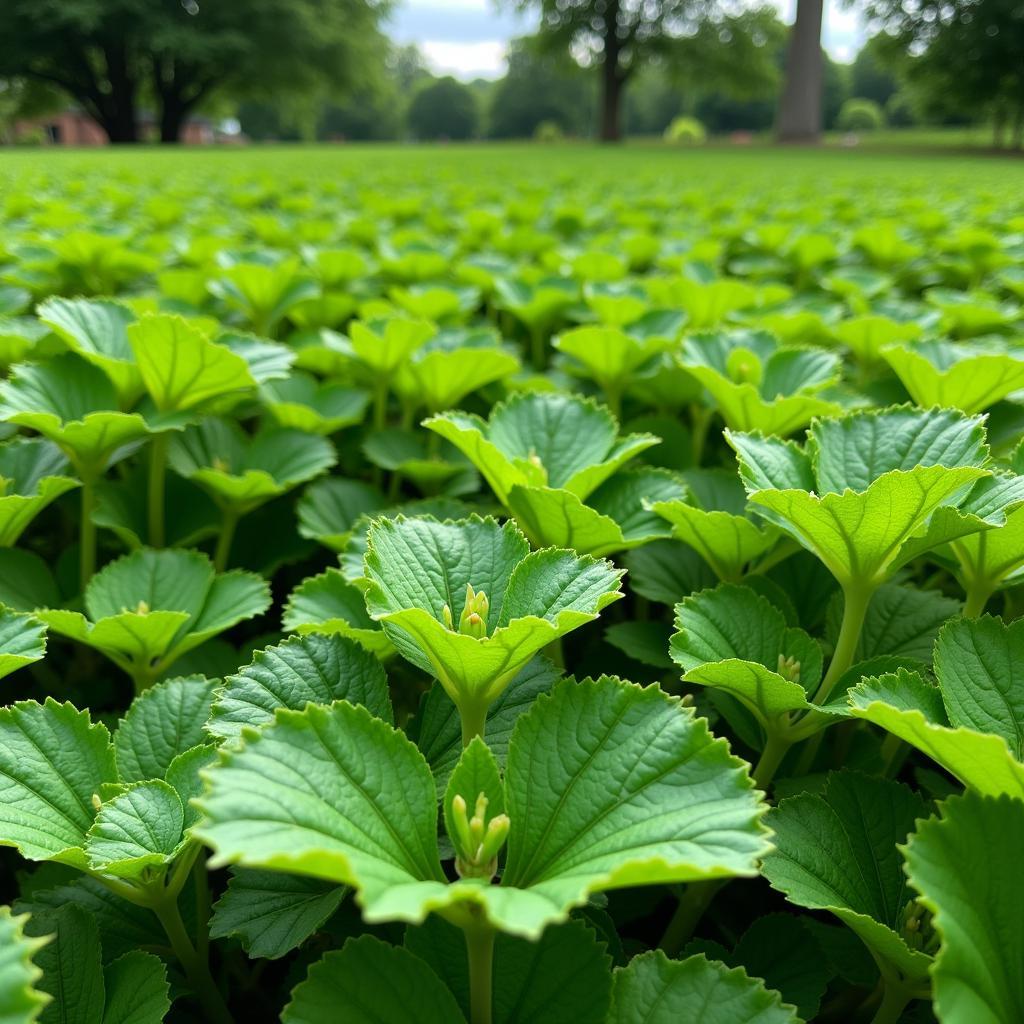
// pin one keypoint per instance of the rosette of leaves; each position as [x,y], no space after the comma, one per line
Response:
[550,817]
[870,491]
[609,356]
[869,335]
[969,376]
[144,610]
[707,303]
[33,473]
[118,811]
[713,520]
[438,303]
[241,472]
[972,722]
[263,293]
[539,306]
[470,604]
[838,851]
[301,402]
[758,384]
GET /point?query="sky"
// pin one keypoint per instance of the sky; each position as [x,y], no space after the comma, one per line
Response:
[469,38]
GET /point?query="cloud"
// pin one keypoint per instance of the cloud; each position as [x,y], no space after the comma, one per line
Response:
[483,59]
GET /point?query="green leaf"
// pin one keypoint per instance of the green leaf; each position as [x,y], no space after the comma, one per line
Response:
[162,723]
[70,960]
[53,761]
[976,976]
[329,509]
[646,641]
[969,377]
[328,603]
[295,797]
[443,378]
[666,571]
[606,354]
[182,369]
[979,664]
[97,329]
[542,439]
[563,976]
[838,852]
[264,293]
[138,829]
[384,346]
[300,402]
[313,668]
[654,988]
[905,705]
[32,476]
[242,473]
[21,1001]
[271,912]
[22,641]
[137,991]
[376,984]
[534,597]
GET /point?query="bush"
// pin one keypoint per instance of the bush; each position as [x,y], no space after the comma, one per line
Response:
[685,131]
[859,115]
[548,131]
[444,109]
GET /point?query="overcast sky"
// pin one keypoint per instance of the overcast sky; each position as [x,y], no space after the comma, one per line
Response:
[468,38]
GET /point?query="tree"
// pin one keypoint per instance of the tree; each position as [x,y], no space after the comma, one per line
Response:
[617,37]
[800,107]
[444,109]
[871,75]
[109,55]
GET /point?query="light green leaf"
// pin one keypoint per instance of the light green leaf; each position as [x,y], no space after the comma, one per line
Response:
[21,1001]
[264,293]
[384,345]
[53,761]
[977,913]
[542,439]
[33,474]
[182,369]
[97,330]
[137,991]
[22,641]
[376,984]
[314,668]
[655,988]
[70,960]
[301,403]
[138,829]
[838,852]
[443,378]
[329,509]
[606,354]
[162,723]
[271,912]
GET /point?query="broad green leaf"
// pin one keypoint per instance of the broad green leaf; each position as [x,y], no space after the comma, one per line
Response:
[542,440]
[440,379]
[97,329]
[267,360]
[21,1001]
[70,960]
[654,988]
[138,829]
[328,603]
[607,355]
[271,912]
[162,723]
[301,403]
[534,598]
[383,346]
[867,336]
[666,571]
[838,852]
[992,558]
[329,509]
[33,474]
[182,369]
[22,641]
[137,991]
[562,976]
[313,668]
[242,473]
[977,913]
[905,705]
[408,453]
[376,984]
[53,761]
[646,641]
[263,293]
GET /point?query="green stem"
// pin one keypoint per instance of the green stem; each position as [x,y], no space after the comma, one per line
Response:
[157,489]
[613,397]
[480,950]
[556,652]
[855,607]
[538,349]
[775,749]
[381,390]
[222,554]
[891,751]
[197,970]
[201,883]
[473,715]
[978,593]
[894,1002]
[143,679]
[692,905]
[700,422]
[87,535]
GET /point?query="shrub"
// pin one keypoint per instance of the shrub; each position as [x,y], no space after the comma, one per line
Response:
[548,131]
[859,115]
[685,131]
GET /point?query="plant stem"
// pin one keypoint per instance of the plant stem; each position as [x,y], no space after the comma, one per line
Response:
[556,653]
[892,750]
[692,904]
[613,397]
[157,488]
[855,607]
[538,349]
[978,593]
[775,749]
[87,535]
[480,950]
[222,554]
[894,1002]
[700,422]
[201,883]
[380,402]
[197,970]
[473,715]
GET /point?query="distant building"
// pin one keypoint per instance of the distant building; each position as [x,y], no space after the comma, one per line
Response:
[74,127]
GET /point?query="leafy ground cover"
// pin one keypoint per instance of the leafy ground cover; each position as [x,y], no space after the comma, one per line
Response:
[511,585]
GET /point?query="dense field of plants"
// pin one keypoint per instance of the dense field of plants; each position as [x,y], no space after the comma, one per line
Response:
[511,586]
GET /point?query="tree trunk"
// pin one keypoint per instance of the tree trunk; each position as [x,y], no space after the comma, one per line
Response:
[611,77]
[172,118]
[119,121]
[800,108]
